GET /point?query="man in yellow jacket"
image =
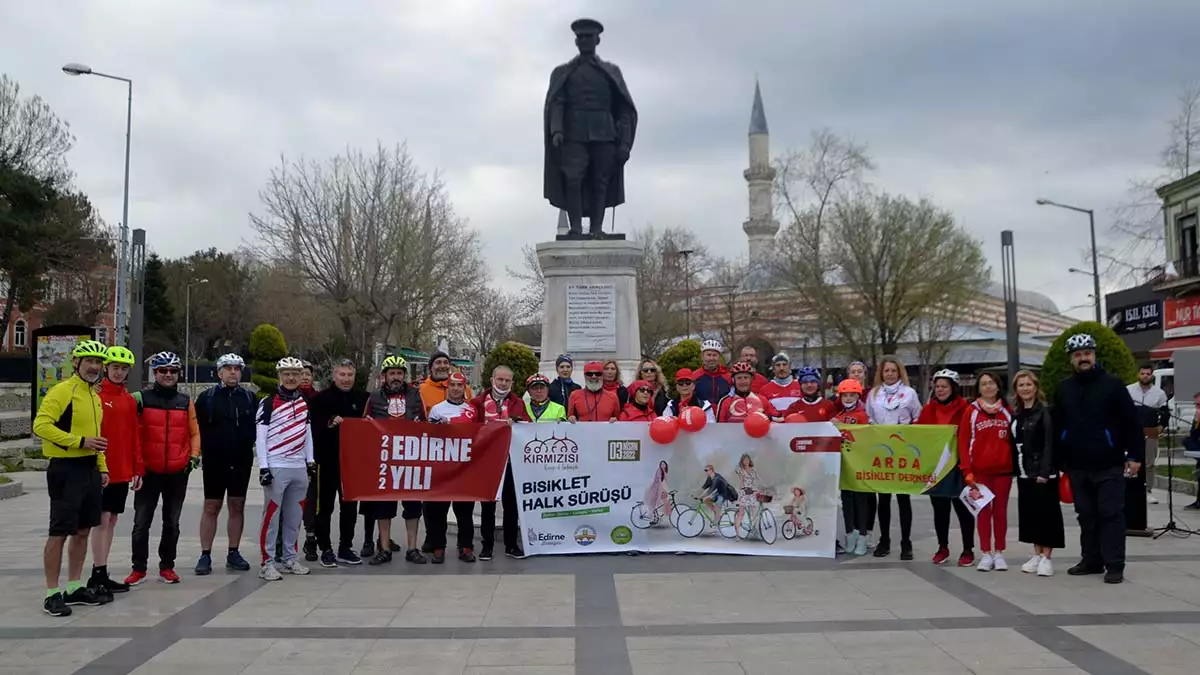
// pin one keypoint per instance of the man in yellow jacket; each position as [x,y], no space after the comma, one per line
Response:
[68,422]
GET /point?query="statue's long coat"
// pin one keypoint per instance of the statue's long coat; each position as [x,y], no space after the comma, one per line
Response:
[553,188]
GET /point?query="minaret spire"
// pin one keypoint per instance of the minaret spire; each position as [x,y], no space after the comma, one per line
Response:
[761,227]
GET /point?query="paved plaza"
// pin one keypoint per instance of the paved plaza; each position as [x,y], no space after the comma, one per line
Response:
[607,615]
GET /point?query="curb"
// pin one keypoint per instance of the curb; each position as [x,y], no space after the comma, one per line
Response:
[10,490]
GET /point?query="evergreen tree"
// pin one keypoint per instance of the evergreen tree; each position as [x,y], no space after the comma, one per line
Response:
[158,312]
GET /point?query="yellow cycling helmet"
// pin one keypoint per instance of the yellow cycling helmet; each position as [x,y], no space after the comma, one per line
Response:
[392,362]
[119,355]
[92,348]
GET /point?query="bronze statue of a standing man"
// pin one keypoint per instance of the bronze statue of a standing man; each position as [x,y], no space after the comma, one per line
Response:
[589,125]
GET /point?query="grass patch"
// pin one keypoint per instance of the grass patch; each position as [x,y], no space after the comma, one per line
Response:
[5,479]
[1187,472]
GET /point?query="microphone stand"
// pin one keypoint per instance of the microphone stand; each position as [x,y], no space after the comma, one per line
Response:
[1171,526]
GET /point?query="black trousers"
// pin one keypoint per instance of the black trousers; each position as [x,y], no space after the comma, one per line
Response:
[309,514]
[487,516]
[329,485]
[858,511]
[171,488]
[1100,507]
[437,522]
[885,518]
[941,521]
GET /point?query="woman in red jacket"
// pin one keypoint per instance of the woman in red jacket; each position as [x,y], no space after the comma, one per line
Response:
[985,456]
[947,407]
[640,407]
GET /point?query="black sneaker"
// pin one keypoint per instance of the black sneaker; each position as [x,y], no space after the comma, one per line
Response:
[102,594]
[328,559]
[55,605]
[368,550]
[114,586]
[1194,506]
[906,552]
[466,555]
[203,565]
[514,552]
[82,596]
[883,549]
[1114,577]
[415,556]
[310,549]
[235,561]
[380,558]
[347,556]
[1082,569]
[427,548]
[393,546]
[485,553]
[439,556]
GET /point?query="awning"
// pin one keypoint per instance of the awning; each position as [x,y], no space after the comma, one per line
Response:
[1164,349]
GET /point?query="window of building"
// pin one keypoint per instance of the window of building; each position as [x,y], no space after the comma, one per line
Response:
[19,333]
[102,334]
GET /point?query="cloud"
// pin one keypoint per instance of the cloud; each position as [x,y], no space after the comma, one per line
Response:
[980,109]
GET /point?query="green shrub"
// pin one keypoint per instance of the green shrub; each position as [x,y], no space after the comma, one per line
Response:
[267,346]
[516,356]
[683,354]
[1111,353]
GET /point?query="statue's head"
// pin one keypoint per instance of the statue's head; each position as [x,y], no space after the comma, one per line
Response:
[587,35]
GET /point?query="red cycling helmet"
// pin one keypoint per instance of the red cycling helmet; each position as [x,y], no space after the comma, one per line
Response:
[741,368]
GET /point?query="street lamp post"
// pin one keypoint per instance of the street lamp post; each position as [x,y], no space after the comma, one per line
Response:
[187,327]
[1095,263]
[76,69]
[687,284]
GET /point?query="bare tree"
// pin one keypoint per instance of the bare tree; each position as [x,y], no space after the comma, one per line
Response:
[663,282]
[808,182]
[533,293]
[932,335]
[724,289]
[375,238]
[1138,221]
[33,140]
[487,320]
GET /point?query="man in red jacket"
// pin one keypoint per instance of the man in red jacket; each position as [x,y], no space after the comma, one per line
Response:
[498,404]
[593,403]
[119,425]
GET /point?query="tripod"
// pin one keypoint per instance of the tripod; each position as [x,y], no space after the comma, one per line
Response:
[1171,526]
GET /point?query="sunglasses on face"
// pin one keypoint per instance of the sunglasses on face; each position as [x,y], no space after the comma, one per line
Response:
[593,374]
[643,390]
[683,383]
[649,370]
[168,371]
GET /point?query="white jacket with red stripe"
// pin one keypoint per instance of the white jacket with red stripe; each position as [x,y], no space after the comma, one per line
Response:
[285,441]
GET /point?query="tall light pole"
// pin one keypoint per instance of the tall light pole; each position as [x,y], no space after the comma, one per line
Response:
[1095,264]
[187,326]
[76,69]
[687,284]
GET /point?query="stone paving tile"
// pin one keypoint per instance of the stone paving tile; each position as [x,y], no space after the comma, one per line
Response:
[48,656]
[1157,649]
[218,654]
[995,649]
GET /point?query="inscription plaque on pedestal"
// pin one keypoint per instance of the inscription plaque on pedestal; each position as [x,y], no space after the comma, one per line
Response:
[591,318]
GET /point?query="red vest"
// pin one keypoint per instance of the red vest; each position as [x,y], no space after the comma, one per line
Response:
[166,438]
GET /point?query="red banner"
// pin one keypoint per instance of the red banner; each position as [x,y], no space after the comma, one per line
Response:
[394,459]
[1181,317]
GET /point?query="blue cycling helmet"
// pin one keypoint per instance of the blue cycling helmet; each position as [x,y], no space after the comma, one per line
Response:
[808,374]
[164,360]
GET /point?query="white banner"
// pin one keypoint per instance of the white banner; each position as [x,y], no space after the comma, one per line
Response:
[603,488]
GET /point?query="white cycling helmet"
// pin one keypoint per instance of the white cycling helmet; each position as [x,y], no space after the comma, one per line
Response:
[230,360]
[289,363]
[946,373]
[711,345]
[1080,341]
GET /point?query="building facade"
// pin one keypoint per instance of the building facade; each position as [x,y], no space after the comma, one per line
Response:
[1180,281]
[94,292]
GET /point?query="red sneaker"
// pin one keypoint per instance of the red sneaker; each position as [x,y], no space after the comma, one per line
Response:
[135,577]
[168,576]
[942,555]
[966,559]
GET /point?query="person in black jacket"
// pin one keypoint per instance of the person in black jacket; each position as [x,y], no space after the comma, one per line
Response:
[330,407]
[1039,515]
[225,414]
[1098,441]
[561,388]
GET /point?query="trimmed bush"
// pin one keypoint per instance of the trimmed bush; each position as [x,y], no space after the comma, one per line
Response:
[683,354]
[1111,353]
[516,356]
[267,346]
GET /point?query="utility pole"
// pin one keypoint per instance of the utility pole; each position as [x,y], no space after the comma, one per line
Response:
[687,282]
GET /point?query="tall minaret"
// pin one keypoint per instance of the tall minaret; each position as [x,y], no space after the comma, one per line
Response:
[761,227]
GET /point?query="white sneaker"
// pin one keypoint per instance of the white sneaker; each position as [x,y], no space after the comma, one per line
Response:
[269,573]
[1151,499]
[986,563]
[1045,568]
[1031,565]
[998,562]
[296,568]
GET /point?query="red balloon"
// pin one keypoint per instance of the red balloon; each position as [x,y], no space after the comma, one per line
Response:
[664,429]
[693,418]
[795,418]
[757,425]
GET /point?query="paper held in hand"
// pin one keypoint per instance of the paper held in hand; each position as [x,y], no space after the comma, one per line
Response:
[976,505]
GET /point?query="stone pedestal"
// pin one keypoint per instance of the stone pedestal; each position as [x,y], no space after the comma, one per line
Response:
[591,308]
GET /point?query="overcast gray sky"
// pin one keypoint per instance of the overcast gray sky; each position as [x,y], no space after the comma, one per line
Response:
[981,110]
